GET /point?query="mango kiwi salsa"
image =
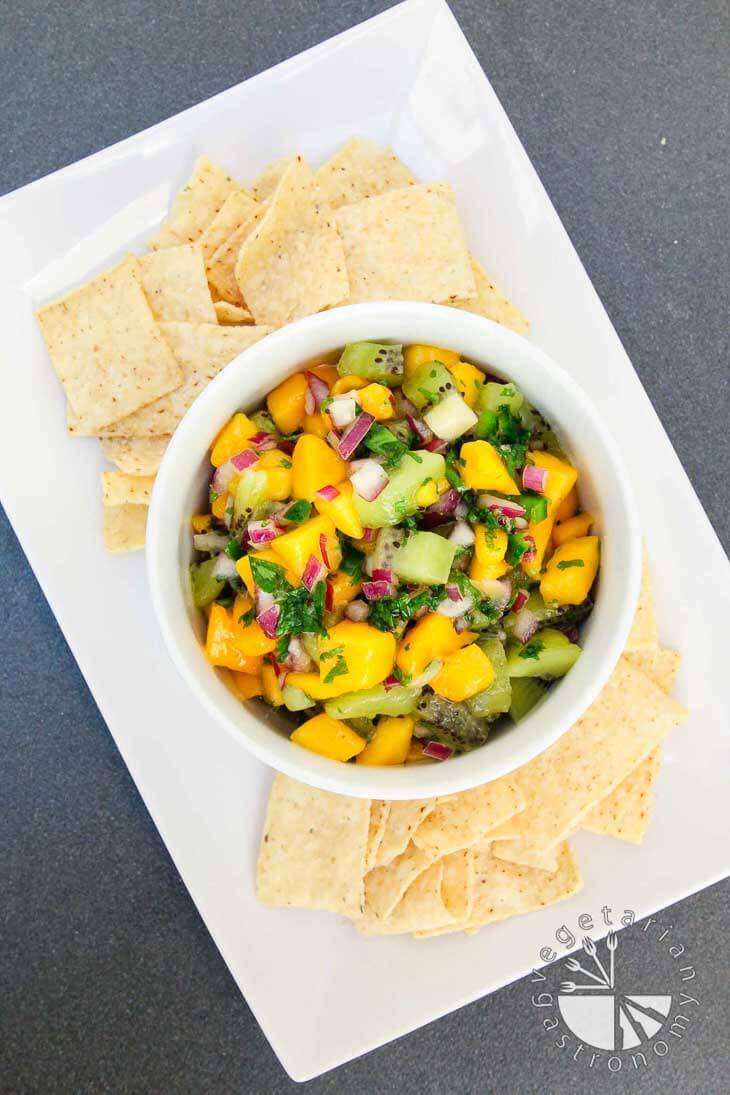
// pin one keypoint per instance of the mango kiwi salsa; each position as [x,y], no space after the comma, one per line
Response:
[395,553]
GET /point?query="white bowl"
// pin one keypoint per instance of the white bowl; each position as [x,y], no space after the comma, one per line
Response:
[181,490]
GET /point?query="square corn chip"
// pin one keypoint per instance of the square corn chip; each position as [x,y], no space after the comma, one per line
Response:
[406,244]
[385,886]
[202,349]
[221,266]
[622,727]
[292,264]
[124,527]
[491,303]
[236,209]
[195,205]
[176,286]
[360,169]
[313,849]
[135,455]
[378,820]
[106,348]
[466,818]
[625,813]
[267,181]
[660,665]
[403,821]
[440,897]
[120,489]
[231,315]
[519,851]
[644,634]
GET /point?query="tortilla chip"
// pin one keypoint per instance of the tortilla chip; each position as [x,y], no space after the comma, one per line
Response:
[644,634]
[378,820]
[119,489]
[406,244]
[235,211]
[504,832]
[489,302]
[222,264]
[292,264]
[202,349]
[106,348]
[195,205]
[466,818]
[660,665]
[622,727]
[124,527]
[176,286]
[404,819]
[360,169]
[231,315]
[517,851]
[385,886]
[266,183]
[135,455]
[441,897]
[626,812]
[313,849]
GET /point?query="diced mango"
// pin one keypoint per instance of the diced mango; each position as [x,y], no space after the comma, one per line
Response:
[232,439]
[328,373]
[315,465]
[349,383]
[220,506]
[571,571]
[270,685]
[433,637]
[417,355]
[541,534]
[427,494]
[278,468]
[247,685]
[341,510]
[490,547]
[468,379]
[390,743]
[464,673]
[561,478]
[377,401]
[354,656]
[243,566]
[252,641]
[415,753]
[220,644]
[201,522]
[568,507]
[343,588]
[319,424]
[294,548]
[242,604]
[484,469]
[286,403]
[580,525]
[328,737]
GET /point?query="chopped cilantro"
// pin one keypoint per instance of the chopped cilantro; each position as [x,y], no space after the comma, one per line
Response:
[388,612]
[268,576]
[234,550]
[570,563]
[533,649]
[352,561]
[337,670]
[327,654]
[516,548]
[414,456]
[382,442]
[301,613]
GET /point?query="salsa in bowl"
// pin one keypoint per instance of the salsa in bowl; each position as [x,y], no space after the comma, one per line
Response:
[391,549]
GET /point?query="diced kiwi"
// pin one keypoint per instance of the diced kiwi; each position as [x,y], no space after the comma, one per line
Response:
[398,700]
[310,643]
[204,585]
[250,500]
[263,421]
[493,396]
[398,499]
[424,559]
[386,548]
[549,653]
[450,418]
[526,692]
[295,699]
[496,699]
[455,718]
[373,360]
[429,384]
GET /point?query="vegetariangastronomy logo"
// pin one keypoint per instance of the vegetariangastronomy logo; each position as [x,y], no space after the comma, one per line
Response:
[592,1007]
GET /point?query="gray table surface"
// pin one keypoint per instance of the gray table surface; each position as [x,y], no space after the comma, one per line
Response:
[110,981]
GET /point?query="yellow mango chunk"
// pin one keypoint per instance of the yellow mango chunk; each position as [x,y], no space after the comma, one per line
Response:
[343,589]
[568,507]
[427,494]
[341,510]
[233,438]
[349,383]
[270,685]
[201,522]
[469,380]
[247,685]
[417,355]
[390,744]
[220,505]
[294,548]
[484,469]
[278,468]
[243,566]
[286,403]
[377,401]
[328,737]
[328,373]
[541,534]
[464,673]
[220,643]
[571,571]
[561,478]
[319,425]
[354,656]
[433,637]
[580,525]
[490,546]
[314,465]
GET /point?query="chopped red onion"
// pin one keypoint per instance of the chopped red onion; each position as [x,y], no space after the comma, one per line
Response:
[520,523]
[224,567]
[453,593]
[329,596]
[454,607]
[437,751]
[310,403]
[262,532]
[263,441]
[281,673]
[324,551]
[375,591]
[391,681]
[462,534]
[521,599]
[268,621]
[354,434]
[446,504]
[328,493]
[369,479]
[297,658]
[264,600]
[531,552]
[384,574]
[357,611]
[437,445]
[420,428]
[460,624]
[502,506]
[243,460]
[369,534]
[222,477]
[315,571]
[319,389]
[461,510]
[534,478]
[342,411]
[572,634]
[525,625]
[286,446]
[210,541]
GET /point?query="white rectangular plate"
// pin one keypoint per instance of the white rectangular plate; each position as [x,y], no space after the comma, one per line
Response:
[321,993]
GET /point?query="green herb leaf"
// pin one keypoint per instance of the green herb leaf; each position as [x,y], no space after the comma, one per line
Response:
[566,563]
[382,442]
[299,512]
[352,561]
[234,550]
[532,650]
[337,670]
[326,654]
[270,577]
[516,548]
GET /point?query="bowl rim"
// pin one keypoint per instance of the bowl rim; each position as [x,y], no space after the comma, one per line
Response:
[233,389]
